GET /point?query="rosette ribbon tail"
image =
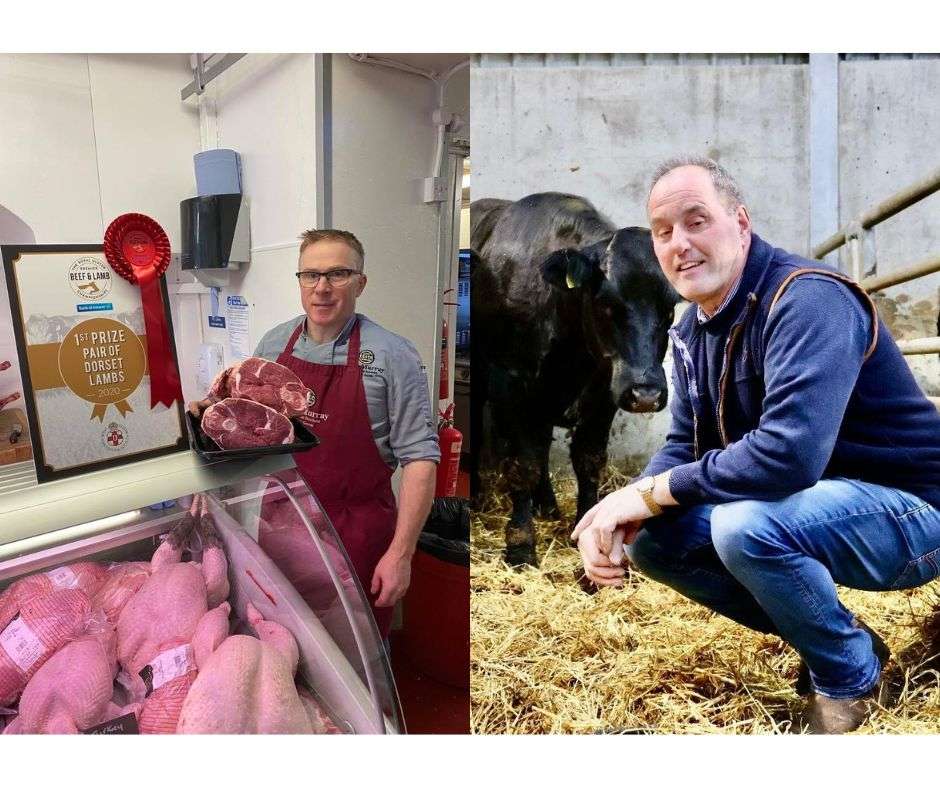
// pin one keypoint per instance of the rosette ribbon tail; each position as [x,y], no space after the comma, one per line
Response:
[98,412]
[164,378]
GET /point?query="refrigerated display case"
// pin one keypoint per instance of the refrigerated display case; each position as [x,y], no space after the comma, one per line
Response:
[121,515]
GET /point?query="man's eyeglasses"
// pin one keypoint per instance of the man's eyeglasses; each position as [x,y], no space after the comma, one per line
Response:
[338,277]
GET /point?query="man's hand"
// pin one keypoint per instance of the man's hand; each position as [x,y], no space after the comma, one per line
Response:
[391,578]
[392,574]
[198,406]
[600,568]
[623,507]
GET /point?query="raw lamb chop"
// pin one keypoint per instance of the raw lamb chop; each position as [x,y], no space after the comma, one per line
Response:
[123,580]
[247,685]
[86,576]
[239,423]
[72,690]
[167,626]
[41,627]
[263,381]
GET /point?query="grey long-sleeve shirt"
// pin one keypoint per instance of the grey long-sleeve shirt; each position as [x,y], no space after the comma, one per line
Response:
[396,388]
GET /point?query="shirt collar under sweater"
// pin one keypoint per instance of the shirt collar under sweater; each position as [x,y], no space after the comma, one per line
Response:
[700,313]
[758,258]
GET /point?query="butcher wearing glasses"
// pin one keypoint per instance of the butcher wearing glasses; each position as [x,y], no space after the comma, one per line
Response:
[371,411]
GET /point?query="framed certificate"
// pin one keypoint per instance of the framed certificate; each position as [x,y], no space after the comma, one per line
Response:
[81,342]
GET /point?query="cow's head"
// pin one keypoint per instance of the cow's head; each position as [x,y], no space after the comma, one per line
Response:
[628,308]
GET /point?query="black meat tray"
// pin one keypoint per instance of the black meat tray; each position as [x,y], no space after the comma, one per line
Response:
[205,447]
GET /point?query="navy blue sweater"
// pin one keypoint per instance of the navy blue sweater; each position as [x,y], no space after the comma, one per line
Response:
[795,380]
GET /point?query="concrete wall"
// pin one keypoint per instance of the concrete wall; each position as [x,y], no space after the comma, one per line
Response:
[599,130]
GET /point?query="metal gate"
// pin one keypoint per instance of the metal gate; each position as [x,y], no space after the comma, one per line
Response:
[856,235]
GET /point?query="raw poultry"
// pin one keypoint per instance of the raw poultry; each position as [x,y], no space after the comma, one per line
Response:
[72,690]
[169,621]
[86,576]
[247,685]
[165,624]
[39,628]
[122,581]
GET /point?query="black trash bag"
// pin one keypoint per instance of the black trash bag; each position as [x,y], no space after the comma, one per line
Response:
[449,518]
[446,534]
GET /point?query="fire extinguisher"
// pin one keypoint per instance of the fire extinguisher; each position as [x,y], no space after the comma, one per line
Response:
[450,440]
[444,387]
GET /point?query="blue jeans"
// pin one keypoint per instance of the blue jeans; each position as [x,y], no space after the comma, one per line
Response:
[773,565]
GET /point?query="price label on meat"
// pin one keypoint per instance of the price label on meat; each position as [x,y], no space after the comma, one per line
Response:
[103,362]
[63,577]
[167,666]
[21,644]
[81,338]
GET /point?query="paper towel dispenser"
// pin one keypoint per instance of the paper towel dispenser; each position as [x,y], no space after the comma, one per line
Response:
[215,236]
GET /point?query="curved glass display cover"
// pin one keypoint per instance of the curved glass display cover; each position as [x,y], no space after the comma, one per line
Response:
[283,558]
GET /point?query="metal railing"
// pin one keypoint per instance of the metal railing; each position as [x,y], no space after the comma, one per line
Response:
[884,210]
[853,235]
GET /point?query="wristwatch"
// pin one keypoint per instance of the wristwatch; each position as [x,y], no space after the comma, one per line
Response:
[645,487]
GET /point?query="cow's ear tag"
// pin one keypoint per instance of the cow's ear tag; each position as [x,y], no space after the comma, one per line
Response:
[569,280]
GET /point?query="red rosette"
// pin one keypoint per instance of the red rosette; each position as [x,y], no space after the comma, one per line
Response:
[138,250]
[134,242]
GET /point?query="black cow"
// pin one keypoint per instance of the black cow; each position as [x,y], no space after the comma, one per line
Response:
[569,319]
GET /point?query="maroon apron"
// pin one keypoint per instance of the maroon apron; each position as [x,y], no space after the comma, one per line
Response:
[346,472]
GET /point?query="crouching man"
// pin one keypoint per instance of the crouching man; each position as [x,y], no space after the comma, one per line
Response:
[801,453]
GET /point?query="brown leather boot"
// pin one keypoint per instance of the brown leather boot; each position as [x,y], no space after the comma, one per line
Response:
[841,715]
[837,715]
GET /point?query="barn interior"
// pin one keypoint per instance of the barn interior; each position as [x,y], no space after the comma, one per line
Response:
[830,150]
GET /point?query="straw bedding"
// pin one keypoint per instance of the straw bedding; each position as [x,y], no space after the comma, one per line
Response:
[547,657]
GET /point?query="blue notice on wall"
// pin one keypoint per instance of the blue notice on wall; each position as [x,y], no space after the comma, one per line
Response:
[94,307]
[236,310]
[216,321]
